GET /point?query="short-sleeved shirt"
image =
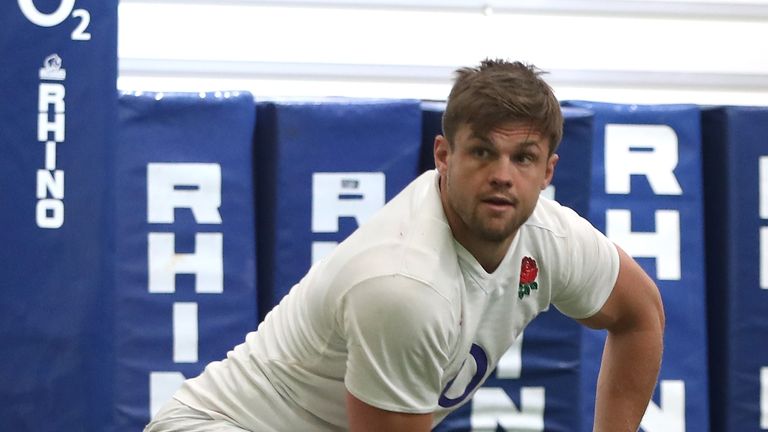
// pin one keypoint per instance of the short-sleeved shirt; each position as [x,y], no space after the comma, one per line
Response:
[400,315]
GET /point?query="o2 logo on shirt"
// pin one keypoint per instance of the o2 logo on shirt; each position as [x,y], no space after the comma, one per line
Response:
[65,9]
[481,361]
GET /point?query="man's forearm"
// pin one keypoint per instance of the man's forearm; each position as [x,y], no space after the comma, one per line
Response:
[628,374]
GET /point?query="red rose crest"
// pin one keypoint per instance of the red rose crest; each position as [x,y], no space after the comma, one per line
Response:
[528,273]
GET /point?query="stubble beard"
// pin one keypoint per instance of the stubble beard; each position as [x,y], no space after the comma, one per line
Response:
[483,228]
[468,212]
[488,232]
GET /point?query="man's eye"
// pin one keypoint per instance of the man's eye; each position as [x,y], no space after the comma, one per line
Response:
[481,152]
[525,158]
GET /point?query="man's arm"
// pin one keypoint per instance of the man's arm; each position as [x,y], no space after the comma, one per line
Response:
[398,332]
[367,418]
[634,318]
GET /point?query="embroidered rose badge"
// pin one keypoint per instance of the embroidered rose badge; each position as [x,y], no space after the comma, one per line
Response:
[528,273]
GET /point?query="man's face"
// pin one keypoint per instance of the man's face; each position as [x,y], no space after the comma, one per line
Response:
[490,184]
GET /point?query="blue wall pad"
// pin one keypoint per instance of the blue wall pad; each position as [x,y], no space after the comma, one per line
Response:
[736,181]
[647,197]
[185,264]
[58,74]
[431,126]
[323,167]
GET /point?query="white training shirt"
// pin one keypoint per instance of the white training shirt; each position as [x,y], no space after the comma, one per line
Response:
[403,317]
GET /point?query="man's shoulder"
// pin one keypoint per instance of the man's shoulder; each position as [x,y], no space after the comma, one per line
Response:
[419,249]
[408,237]
[553,219]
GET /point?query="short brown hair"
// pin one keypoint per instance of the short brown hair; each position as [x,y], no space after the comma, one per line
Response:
[498,92]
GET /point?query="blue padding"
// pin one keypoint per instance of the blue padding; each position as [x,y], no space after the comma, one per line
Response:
[431,126]
[344,144]
[572,179]
[647,136]
[56,308]
[177,147]
[552,342]
[734,143]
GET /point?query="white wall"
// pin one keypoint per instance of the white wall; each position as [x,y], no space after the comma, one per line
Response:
[631,51]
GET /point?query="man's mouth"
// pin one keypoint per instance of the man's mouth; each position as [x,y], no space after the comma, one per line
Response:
[499,202]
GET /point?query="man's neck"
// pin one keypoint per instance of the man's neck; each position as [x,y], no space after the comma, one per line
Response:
[488,254]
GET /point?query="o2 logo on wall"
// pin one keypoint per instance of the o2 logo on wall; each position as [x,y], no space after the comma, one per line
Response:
[65,10]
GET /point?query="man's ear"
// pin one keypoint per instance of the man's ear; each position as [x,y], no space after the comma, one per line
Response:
[550,170]
[441,151]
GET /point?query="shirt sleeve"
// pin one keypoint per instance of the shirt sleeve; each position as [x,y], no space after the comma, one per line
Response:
[398,333]
[590,273]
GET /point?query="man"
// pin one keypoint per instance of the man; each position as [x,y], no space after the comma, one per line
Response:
[385,334]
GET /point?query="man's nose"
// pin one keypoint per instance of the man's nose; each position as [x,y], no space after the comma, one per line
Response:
[501,173]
